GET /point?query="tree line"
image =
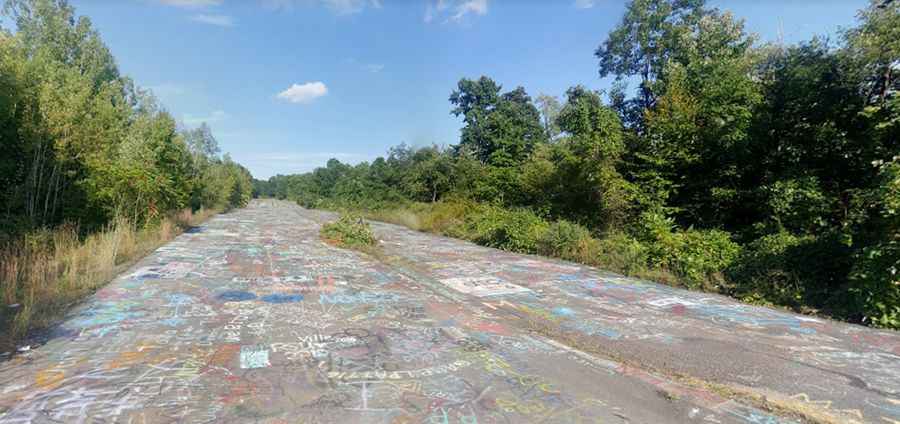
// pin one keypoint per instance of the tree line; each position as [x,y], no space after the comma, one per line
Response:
[766,171]
[81,143]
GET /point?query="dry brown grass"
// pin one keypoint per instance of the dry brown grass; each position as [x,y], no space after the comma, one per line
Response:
[44,273]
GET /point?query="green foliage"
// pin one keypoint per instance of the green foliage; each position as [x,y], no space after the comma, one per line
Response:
[514,230]
[696,256]
[564,239]
[646,37]
[767,172]
[798,205]
[875,278]
[620,252]
[350,231]
[80,143]
[876,284]
[769,270]
[501,129]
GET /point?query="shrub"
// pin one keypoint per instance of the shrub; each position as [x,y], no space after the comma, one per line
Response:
[798,205]
[698,257]
[566,240]
[875,277]
[701,256]
[513,230]
[621,253]
[350,230]
[875,284]
[766,270]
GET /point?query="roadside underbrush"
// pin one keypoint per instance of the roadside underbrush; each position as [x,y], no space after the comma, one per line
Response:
[778,270]
[676,259]
[44,273]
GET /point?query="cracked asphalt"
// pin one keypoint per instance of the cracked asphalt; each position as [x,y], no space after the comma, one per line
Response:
[252,318]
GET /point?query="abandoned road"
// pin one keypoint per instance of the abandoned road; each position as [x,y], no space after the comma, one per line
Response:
[251,318]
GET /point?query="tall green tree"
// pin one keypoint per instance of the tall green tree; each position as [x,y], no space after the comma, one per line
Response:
[645,39]
[577,178]
[500,129]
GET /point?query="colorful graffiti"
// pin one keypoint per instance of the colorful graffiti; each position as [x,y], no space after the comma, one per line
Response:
[251,318]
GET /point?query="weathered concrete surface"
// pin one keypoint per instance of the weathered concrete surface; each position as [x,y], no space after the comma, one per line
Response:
[251,318]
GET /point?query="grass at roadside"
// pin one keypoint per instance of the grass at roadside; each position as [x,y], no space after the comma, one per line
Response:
[46,272]
[522,231]
[704,260]
[349,231]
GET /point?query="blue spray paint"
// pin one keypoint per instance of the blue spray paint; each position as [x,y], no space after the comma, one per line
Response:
[282,298]
[236,296]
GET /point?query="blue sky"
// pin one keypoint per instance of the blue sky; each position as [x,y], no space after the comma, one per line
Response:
[288,84]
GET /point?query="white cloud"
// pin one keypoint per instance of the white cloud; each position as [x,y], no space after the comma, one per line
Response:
[215,116]
[458,9]
[217,20]
[373,67]
[584,4]
[191,4]
[478,7]
[304,93]
[339,7]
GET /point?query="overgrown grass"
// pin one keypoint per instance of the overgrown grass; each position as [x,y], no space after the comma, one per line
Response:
[797,273]
[349,231]
[46,272]
[523,231]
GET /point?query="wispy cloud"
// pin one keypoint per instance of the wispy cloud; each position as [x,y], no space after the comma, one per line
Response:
[191,4]
[478,7]
[215,116]
[584,4]
[304,93]
[454,10]
[168,89]
[368,67]
[339,7]
[374,67]
[434,8]
[217,20]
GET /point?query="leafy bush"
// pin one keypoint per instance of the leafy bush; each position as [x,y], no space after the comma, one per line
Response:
[876,284]
[766,271]
[797,205]
[875,277]
[701,256]
[698,257]
[514,230]
[567,240]
[351,231]
[621,253]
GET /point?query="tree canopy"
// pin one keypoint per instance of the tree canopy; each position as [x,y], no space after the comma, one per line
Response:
[769,171]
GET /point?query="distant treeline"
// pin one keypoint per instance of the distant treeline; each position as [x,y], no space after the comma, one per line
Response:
[81,144]
[768,172]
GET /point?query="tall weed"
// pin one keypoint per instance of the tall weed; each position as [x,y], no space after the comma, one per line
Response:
[45,272]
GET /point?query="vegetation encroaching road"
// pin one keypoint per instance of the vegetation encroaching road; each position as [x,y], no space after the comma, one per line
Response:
[93,171]
[349,231]
[768,172]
